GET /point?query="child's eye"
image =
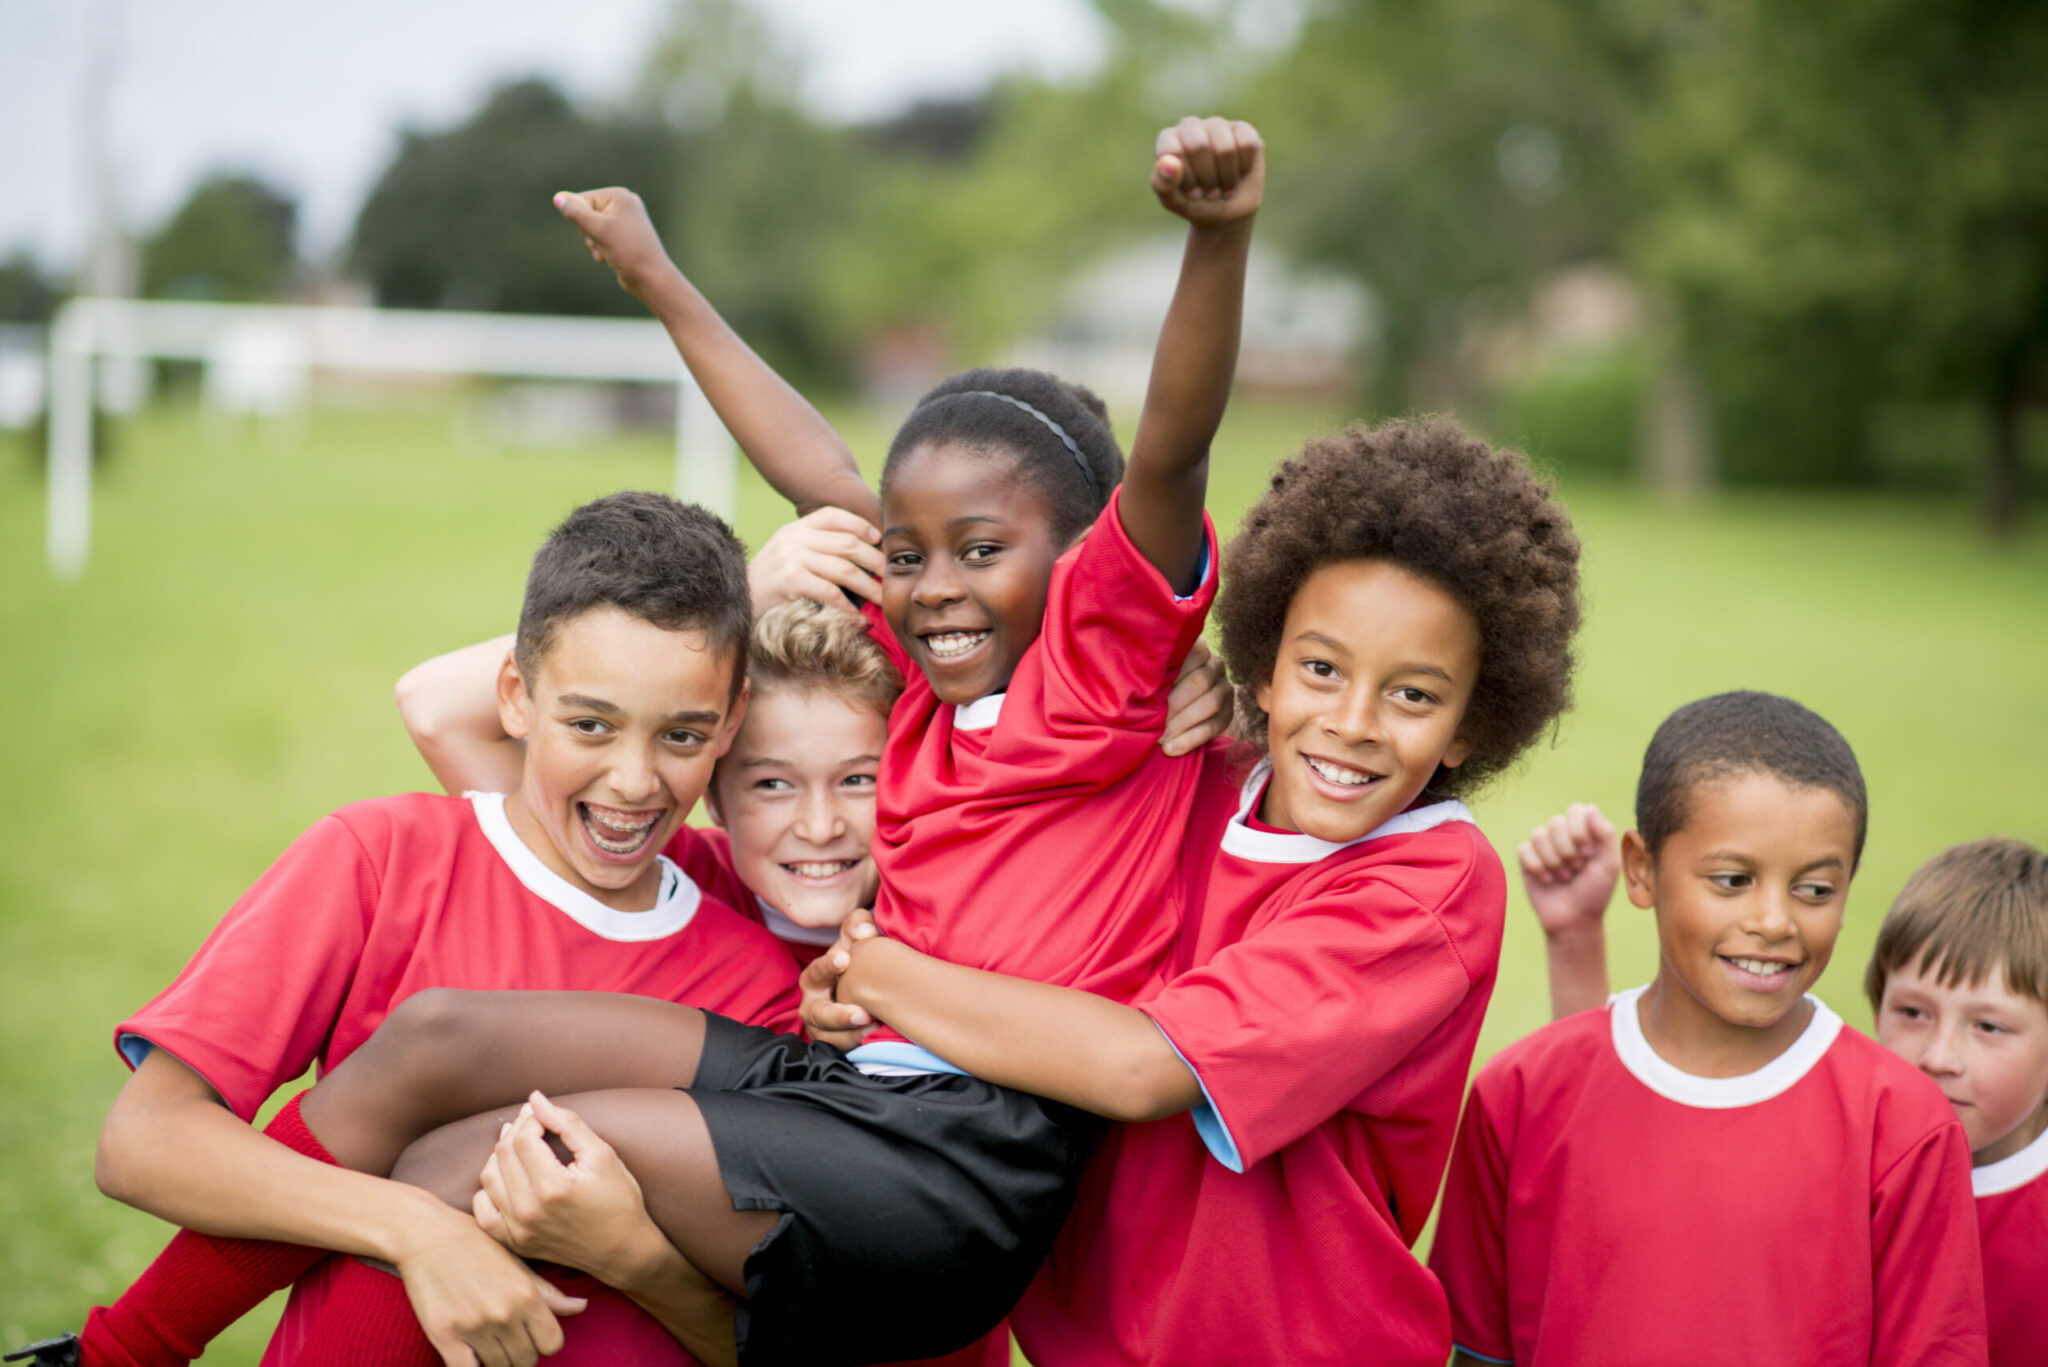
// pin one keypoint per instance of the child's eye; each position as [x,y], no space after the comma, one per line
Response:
[976,554]
[1415,696]
[857,781]
[1322,669]
[1911,1013]
[1992,1028]
[774,785]
[1814,892]
[905,560]
[681,737]
[1732,882]
[588,726]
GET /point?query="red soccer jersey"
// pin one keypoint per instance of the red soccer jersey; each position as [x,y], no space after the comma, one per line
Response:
[1328,997]
[705,854]
[1035,832]
[1605,1207]
[2012,1223]
[385,898]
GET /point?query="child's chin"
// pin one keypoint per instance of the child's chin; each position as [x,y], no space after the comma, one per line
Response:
[814,909]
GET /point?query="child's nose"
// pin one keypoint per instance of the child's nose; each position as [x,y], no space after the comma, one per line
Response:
[938,583]
[633,777]
[818,819]
[1770,915]
[1356,719]
[1940,1056]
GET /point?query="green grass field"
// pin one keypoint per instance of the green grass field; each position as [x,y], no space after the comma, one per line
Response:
[222,676]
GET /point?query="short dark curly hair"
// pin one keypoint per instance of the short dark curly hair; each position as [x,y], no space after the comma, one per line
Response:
[986,411]
[657,559]
[1731,734]
[1442,504]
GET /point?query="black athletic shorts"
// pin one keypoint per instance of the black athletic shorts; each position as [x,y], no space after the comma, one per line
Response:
[915,1209]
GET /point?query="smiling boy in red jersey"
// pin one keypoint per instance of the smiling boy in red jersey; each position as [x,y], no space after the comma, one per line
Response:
[627,689]
[1303,1053]
[1958,983]
[1626,1179]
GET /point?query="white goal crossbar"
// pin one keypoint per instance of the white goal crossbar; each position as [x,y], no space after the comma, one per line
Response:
[287,343]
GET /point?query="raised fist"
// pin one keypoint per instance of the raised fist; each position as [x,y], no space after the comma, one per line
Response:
[1210,171]
[617,231]
[1569,867]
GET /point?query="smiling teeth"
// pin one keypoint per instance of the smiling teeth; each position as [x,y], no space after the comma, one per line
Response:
[821,869]
[635,829]
[1763,968]
[952,643]
[1349,778]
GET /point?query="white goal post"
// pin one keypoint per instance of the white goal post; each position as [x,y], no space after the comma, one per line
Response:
[274,348]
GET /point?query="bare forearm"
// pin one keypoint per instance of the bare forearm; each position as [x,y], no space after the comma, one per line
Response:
[449,705]
[194,1163]
[1577,961]
[1056,1042]
[787,439]
[1192,371]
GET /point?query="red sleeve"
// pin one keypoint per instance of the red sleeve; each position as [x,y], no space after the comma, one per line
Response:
[1115,632]
[1470,1253]
[255,1005]
[1304,1017]
[881,635]
[1929,1291]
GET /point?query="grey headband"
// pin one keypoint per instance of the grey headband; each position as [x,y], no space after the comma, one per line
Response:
[1087,471]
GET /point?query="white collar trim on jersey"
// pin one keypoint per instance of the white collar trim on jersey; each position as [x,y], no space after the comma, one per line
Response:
[1285,847]
[1717,1093]
[2009,1173]
[673,907]
[978,715]
[788,931]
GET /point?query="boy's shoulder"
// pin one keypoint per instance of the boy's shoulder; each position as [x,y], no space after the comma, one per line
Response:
[397,811]
[383,825]
[1904,1104]
[1561,1051]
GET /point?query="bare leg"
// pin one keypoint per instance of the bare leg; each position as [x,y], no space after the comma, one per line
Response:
[445,1054]
[661,1137]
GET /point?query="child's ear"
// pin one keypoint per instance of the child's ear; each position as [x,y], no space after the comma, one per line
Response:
[1457,752]
[1639,870]
[515,703]
[710,799]
[730,732]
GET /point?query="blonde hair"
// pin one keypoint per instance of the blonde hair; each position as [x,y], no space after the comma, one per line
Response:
[802,644]
[1966,911]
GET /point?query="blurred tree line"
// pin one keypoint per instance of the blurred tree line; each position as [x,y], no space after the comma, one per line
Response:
[1837,215]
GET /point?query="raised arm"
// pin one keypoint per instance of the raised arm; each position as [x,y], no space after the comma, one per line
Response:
[1212,172]
[449,705]
[1056,1042]
[788,441]
[1569,868]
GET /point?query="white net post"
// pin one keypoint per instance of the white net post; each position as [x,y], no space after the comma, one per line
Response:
[706,456]
[68,514]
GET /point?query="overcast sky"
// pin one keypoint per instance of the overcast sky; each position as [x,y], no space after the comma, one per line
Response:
[312,94]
